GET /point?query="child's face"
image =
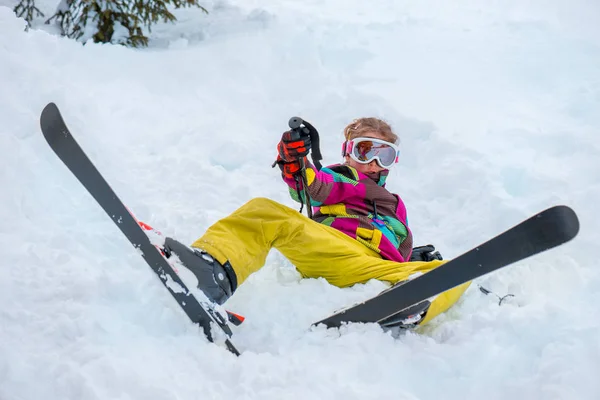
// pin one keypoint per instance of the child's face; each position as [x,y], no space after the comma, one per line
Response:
[371,167]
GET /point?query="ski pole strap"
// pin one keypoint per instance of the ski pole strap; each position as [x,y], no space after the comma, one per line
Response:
[297,179]
[301,128]
[315,152]
[500,298]
[305,189]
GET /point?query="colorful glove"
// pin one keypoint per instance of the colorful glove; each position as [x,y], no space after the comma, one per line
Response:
[289,169]
[293,146]
[425,253]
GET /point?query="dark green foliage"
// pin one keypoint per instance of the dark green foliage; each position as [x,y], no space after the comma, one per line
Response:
[26,9]
[136,16]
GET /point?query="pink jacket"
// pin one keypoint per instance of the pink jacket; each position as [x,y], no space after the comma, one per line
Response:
[360,206]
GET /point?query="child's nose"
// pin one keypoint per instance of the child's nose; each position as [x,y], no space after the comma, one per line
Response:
[373,166]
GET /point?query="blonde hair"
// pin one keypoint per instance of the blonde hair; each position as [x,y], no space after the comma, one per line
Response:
[362,126]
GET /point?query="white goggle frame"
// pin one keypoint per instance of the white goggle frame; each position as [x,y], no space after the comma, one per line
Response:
[349,145]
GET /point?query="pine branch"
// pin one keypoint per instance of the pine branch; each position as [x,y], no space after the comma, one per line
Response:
[133,15]
[27,9]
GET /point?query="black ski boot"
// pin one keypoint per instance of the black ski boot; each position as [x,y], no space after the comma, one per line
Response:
[218,282]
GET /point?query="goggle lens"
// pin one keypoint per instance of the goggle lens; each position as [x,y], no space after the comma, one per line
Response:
[366,150]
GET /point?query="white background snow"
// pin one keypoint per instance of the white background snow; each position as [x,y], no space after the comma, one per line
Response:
[497,106]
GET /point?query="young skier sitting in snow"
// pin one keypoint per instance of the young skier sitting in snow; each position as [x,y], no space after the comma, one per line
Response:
[358,232]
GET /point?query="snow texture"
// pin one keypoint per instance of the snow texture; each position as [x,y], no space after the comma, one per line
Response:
[496,105]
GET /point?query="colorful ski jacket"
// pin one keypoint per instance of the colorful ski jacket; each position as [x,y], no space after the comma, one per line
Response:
[358,206]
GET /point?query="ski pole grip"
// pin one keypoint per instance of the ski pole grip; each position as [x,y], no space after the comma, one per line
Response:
[295,124]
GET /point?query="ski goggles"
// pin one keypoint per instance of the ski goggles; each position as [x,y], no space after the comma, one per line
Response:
[364,150]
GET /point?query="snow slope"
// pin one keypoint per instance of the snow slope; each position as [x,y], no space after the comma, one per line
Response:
[497,110]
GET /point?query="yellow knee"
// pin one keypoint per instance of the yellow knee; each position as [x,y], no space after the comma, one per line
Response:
[263,204]
[260,202]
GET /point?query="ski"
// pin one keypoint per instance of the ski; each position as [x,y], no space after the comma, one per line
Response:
[543,231]
[70,153]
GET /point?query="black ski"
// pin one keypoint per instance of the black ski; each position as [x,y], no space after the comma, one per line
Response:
[66,148]
[543,231]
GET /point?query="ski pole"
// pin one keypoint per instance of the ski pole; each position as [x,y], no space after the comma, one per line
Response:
[295,124]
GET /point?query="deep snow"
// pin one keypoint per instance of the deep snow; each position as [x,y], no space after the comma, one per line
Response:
[497,109]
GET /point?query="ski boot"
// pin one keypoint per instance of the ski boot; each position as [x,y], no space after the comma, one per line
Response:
[217,282]
[234,318]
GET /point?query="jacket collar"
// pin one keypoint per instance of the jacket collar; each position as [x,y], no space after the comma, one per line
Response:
[378,177]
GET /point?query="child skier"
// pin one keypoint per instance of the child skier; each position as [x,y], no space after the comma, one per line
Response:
[358,232]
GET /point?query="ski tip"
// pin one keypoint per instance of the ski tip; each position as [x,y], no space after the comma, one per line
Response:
[50,106]
[48,118]
[52,125]
[564,219]
[49,109]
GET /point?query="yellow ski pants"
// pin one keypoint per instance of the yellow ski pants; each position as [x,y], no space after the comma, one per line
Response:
[247,235]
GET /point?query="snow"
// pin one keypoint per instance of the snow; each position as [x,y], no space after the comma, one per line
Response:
[496,105]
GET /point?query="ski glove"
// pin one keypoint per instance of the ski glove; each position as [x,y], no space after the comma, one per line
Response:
[293,146]
[425,253]
[290,169]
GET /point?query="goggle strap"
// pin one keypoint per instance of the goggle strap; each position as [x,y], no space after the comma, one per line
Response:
[347,147]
